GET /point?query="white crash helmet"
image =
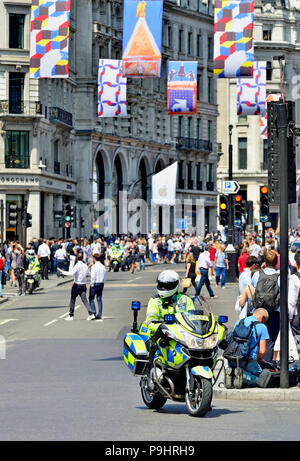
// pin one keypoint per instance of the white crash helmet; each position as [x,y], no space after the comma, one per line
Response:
[117,242]
[31,253]
[167,283]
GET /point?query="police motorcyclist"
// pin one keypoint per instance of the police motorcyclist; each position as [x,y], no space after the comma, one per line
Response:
[167,301]
[32,261]
[115,252]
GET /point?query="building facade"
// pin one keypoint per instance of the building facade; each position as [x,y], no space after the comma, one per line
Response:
[276,33]
[54,150]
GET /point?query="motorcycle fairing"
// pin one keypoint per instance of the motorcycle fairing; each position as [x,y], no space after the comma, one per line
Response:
[173,355]
[186,326]
[203,371]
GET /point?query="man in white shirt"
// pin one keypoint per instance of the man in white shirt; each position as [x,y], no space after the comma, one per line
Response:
[60,256]
[293,305]
[44,257]
[98,274]
[203,264]
[80,272]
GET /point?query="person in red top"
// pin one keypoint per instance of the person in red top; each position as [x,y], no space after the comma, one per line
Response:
[212,253]
[242,260]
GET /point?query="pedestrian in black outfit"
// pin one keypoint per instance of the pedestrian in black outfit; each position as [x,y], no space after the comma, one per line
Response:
[190,271]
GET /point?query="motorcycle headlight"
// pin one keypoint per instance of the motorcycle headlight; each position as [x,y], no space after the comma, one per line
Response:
[193,342]
[29,272]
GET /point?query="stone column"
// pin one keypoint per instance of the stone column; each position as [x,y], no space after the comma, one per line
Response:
[34,208]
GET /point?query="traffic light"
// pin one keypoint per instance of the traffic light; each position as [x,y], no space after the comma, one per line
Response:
[82,222]
[73,214]
[27,217]
[238,208]
[223,211]
[249,208]
[264,204]
[12,215]
[68,213]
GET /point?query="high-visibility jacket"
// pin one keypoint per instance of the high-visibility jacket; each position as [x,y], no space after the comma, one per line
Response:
[157,308]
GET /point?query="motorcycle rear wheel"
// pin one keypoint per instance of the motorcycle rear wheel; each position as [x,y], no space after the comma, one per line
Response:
[30,289]
[198,401]
[154,401]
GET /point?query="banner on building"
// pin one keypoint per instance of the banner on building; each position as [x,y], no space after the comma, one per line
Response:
[111,89]
[164,186]
[251,92]
[233,38]
[142,36]
[264,120]
[49,38]
[182,87]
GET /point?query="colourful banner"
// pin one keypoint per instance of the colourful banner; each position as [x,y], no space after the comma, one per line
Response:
[111,89]
[49,38]
[233,38]
[251,92]
[182,87]
[264,120]
[142,36]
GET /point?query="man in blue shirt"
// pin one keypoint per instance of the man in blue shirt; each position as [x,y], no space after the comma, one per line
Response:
[258,345]
[245,277]
[273,323]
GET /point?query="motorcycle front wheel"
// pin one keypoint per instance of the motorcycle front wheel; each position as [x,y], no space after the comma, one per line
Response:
[154,401]
[198,400]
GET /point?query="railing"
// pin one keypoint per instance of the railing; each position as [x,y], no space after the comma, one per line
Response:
[194,144]
[58,115]
[17,161]
[10,107]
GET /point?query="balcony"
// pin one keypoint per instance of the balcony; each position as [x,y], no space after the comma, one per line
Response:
[194,144]
[60,116]
[11,107]
[210,186]
[17,161]
[56,167]
[199,185]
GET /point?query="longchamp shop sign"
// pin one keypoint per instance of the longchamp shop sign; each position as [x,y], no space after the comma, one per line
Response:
[19,180]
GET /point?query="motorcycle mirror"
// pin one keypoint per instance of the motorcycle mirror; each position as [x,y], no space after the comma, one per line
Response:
[223,319]
[135,305]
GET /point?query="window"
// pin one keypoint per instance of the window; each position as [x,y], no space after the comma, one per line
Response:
[242,153]
[17,149]
[180,175]
[242,119]
[56,158]
[198,128]
[267,32]
[190,119]
[180,41]
[199,45]
[16,91]
[269,70]
[209,90]
[209,133]
[16,31]
[209,172]
[199,83]
[210,48]
[169,36]
[180,131]
[190,38]
[198,172]
[265,154]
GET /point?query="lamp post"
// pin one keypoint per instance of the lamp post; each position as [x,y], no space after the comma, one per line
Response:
[230,250]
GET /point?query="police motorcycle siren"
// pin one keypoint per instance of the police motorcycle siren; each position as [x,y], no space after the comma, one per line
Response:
[181,361]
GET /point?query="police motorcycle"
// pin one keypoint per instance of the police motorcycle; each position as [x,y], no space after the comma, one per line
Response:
[181,364]
[115,255]
[32,276]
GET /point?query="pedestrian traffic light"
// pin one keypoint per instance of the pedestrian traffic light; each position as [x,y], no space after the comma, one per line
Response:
[238,207]
[12,215]
[223,211]
[264,204]
[82,222]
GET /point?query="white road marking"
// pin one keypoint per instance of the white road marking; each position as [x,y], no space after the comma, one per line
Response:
[7,321]
[60,317]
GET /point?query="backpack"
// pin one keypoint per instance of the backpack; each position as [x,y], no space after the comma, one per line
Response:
[238,349]
[267,293]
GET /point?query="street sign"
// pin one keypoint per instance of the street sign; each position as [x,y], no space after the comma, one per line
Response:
[67,225]
[230,187]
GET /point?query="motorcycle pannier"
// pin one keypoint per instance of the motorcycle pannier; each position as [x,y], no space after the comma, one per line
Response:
[135,353]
